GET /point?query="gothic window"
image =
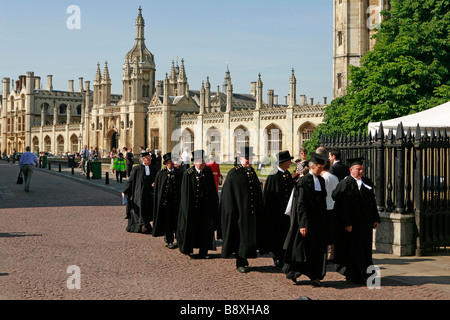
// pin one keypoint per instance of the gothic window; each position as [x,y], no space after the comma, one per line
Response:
[35,144]
[79,109]
[62,109]
[213,143]
[187,140]
[340,38]
[274,140]
[146,91]
[47,144]
[60,141]
[339,80]
[241,138]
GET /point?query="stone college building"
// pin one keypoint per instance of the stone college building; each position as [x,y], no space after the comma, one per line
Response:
[166,114]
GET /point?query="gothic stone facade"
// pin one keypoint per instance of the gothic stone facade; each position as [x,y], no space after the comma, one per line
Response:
[163,115]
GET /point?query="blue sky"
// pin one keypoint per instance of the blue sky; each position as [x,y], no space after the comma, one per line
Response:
[251,36]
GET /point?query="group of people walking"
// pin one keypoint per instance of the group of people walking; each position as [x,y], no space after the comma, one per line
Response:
[299,218]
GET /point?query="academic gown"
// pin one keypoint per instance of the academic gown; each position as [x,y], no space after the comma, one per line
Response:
[198,214]
[353,250]
[244,221]
[307,255]
[277,191]
[167,190]
[139,193]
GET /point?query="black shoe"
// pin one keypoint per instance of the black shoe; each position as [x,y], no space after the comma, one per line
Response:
[242,269]
[172,245]
[316,283]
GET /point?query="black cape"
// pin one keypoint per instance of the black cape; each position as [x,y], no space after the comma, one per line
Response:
[169,192]
[356,208]
[277,191]
[198,213]
[244,221]
[139,195]
[307,255]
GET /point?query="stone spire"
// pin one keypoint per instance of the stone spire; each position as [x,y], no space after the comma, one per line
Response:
[106,72]
[292,90]
[98,75]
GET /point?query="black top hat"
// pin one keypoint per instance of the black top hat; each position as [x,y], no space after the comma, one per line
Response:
[198,154]
[246,152]
[284,156]
[318,158]
[167,157]
[355,161]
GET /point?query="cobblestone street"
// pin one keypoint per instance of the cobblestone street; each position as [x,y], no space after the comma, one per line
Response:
[64,222]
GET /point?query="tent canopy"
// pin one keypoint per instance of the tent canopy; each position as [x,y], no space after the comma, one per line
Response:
[437,117]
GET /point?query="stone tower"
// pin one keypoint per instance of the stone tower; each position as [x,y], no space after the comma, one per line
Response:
[354,23]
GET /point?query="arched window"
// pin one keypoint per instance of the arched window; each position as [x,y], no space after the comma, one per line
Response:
[62,108]
[274,140]
[60,140]
[187,139]
[241,138]
[214,143]
[47,144]
[79,109]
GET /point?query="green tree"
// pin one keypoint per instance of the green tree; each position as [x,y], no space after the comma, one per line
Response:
[406,72]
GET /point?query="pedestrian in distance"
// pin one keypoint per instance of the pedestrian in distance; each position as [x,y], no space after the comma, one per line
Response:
[85,154]
[277,192]
[138,192]
[26,164]
[166,204]
[198,215]
[119,167]
[356,216]
[305,243]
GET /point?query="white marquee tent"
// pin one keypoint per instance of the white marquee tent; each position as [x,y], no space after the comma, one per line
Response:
[437,117]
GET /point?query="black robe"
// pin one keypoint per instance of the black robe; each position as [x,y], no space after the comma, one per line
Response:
[277,191]
[166,202]
[243,218]
[198,215]
[307,255]
[356,208]
[139,194]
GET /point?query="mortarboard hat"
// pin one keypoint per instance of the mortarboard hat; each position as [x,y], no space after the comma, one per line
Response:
[284,156]
[144,154]
[355,161]
[318,158]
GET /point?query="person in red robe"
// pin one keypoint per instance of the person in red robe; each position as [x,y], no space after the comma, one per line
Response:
[216,171]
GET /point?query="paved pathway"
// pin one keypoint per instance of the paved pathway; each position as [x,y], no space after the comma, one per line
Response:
[69,221]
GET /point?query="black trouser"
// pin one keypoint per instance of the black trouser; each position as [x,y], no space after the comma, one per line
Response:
[129,167]
[119,175]
[171,221]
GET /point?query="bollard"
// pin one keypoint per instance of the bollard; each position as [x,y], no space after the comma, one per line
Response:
[107,178]
[49,166]
[73,171]
[88,171]
[59,167]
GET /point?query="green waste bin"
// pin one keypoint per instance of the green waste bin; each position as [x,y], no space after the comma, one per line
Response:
[44,161]
[96,169]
